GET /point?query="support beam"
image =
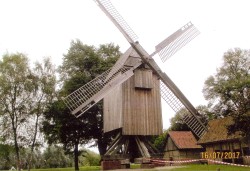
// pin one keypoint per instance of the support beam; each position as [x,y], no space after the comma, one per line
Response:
[132,146]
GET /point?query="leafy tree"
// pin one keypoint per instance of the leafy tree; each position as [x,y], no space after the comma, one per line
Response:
[54,157]
[84,63]
[24,93]
[43,94]
[62,127]
[91,159]
[177,124]
[6,156]
[34,157]
[15,93]
[159,142]
[81,64]
[229,90]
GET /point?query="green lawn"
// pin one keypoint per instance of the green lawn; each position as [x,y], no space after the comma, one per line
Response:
[182,168]
[208,168]
[85,168]
[90,168]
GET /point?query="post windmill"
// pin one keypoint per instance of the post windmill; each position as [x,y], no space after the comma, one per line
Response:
[132,91]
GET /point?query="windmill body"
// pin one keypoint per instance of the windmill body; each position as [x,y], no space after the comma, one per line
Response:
[134,109]
[135,105]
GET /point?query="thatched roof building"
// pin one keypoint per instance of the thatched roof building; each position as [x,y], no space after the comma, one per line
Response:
[218,131]
[217,142]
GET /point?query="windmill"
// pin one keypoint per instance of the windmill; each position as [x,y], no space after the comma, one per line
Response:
[132,91]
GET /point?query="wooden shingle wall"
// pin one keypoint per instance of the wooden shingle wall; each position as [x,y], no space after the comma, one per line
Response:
[142,109]
[112,110]
[136,110]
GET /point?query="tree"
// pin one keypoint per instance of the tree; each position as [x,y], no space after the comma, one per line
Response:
[177,124]
[43,95]
[36,160]
[60,126]
[159,142]
[229,90]
[24,94]
[91,158]
[6,156]
[81,64]
[54,157]
[15,93]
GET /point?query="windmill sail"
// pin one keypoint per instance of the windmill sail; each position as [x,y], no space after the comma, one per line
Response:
[176,41]
[166,49]
[91,93]
[108,8]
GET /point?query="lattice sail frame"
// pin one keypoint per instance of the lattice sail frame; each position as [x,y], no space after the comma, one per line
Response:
[89,94]
[176,41]
[191,120]
[108,8]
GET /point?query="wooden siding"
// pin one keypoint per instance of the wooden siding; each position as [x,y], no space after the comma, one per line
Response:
[172,154]
[170,146]
[183,154]
[113,110]
[143,79]
[142,109]
[227,146]
[136,111]
[224,146]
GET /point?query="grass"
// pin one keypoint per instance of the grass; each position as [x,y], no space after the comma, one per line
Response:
[182,168]
[84,168]
[207,168]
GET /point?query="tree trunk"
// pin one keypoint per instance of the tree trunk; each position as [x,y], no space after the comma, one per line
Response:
[248,143]
[18,163]
[33,143]
[102,147]
[29,161]
[76,154]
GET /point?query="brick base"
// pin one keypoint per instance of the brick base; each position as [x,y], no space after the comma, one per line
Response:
[111,165]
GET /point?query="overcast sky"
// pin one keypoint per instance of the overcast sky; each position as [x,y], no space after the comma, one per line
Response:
[42,28]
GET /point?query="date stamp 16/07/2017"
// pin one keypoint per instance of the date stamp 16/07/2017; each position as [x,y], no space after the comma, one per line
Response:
[220,155]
